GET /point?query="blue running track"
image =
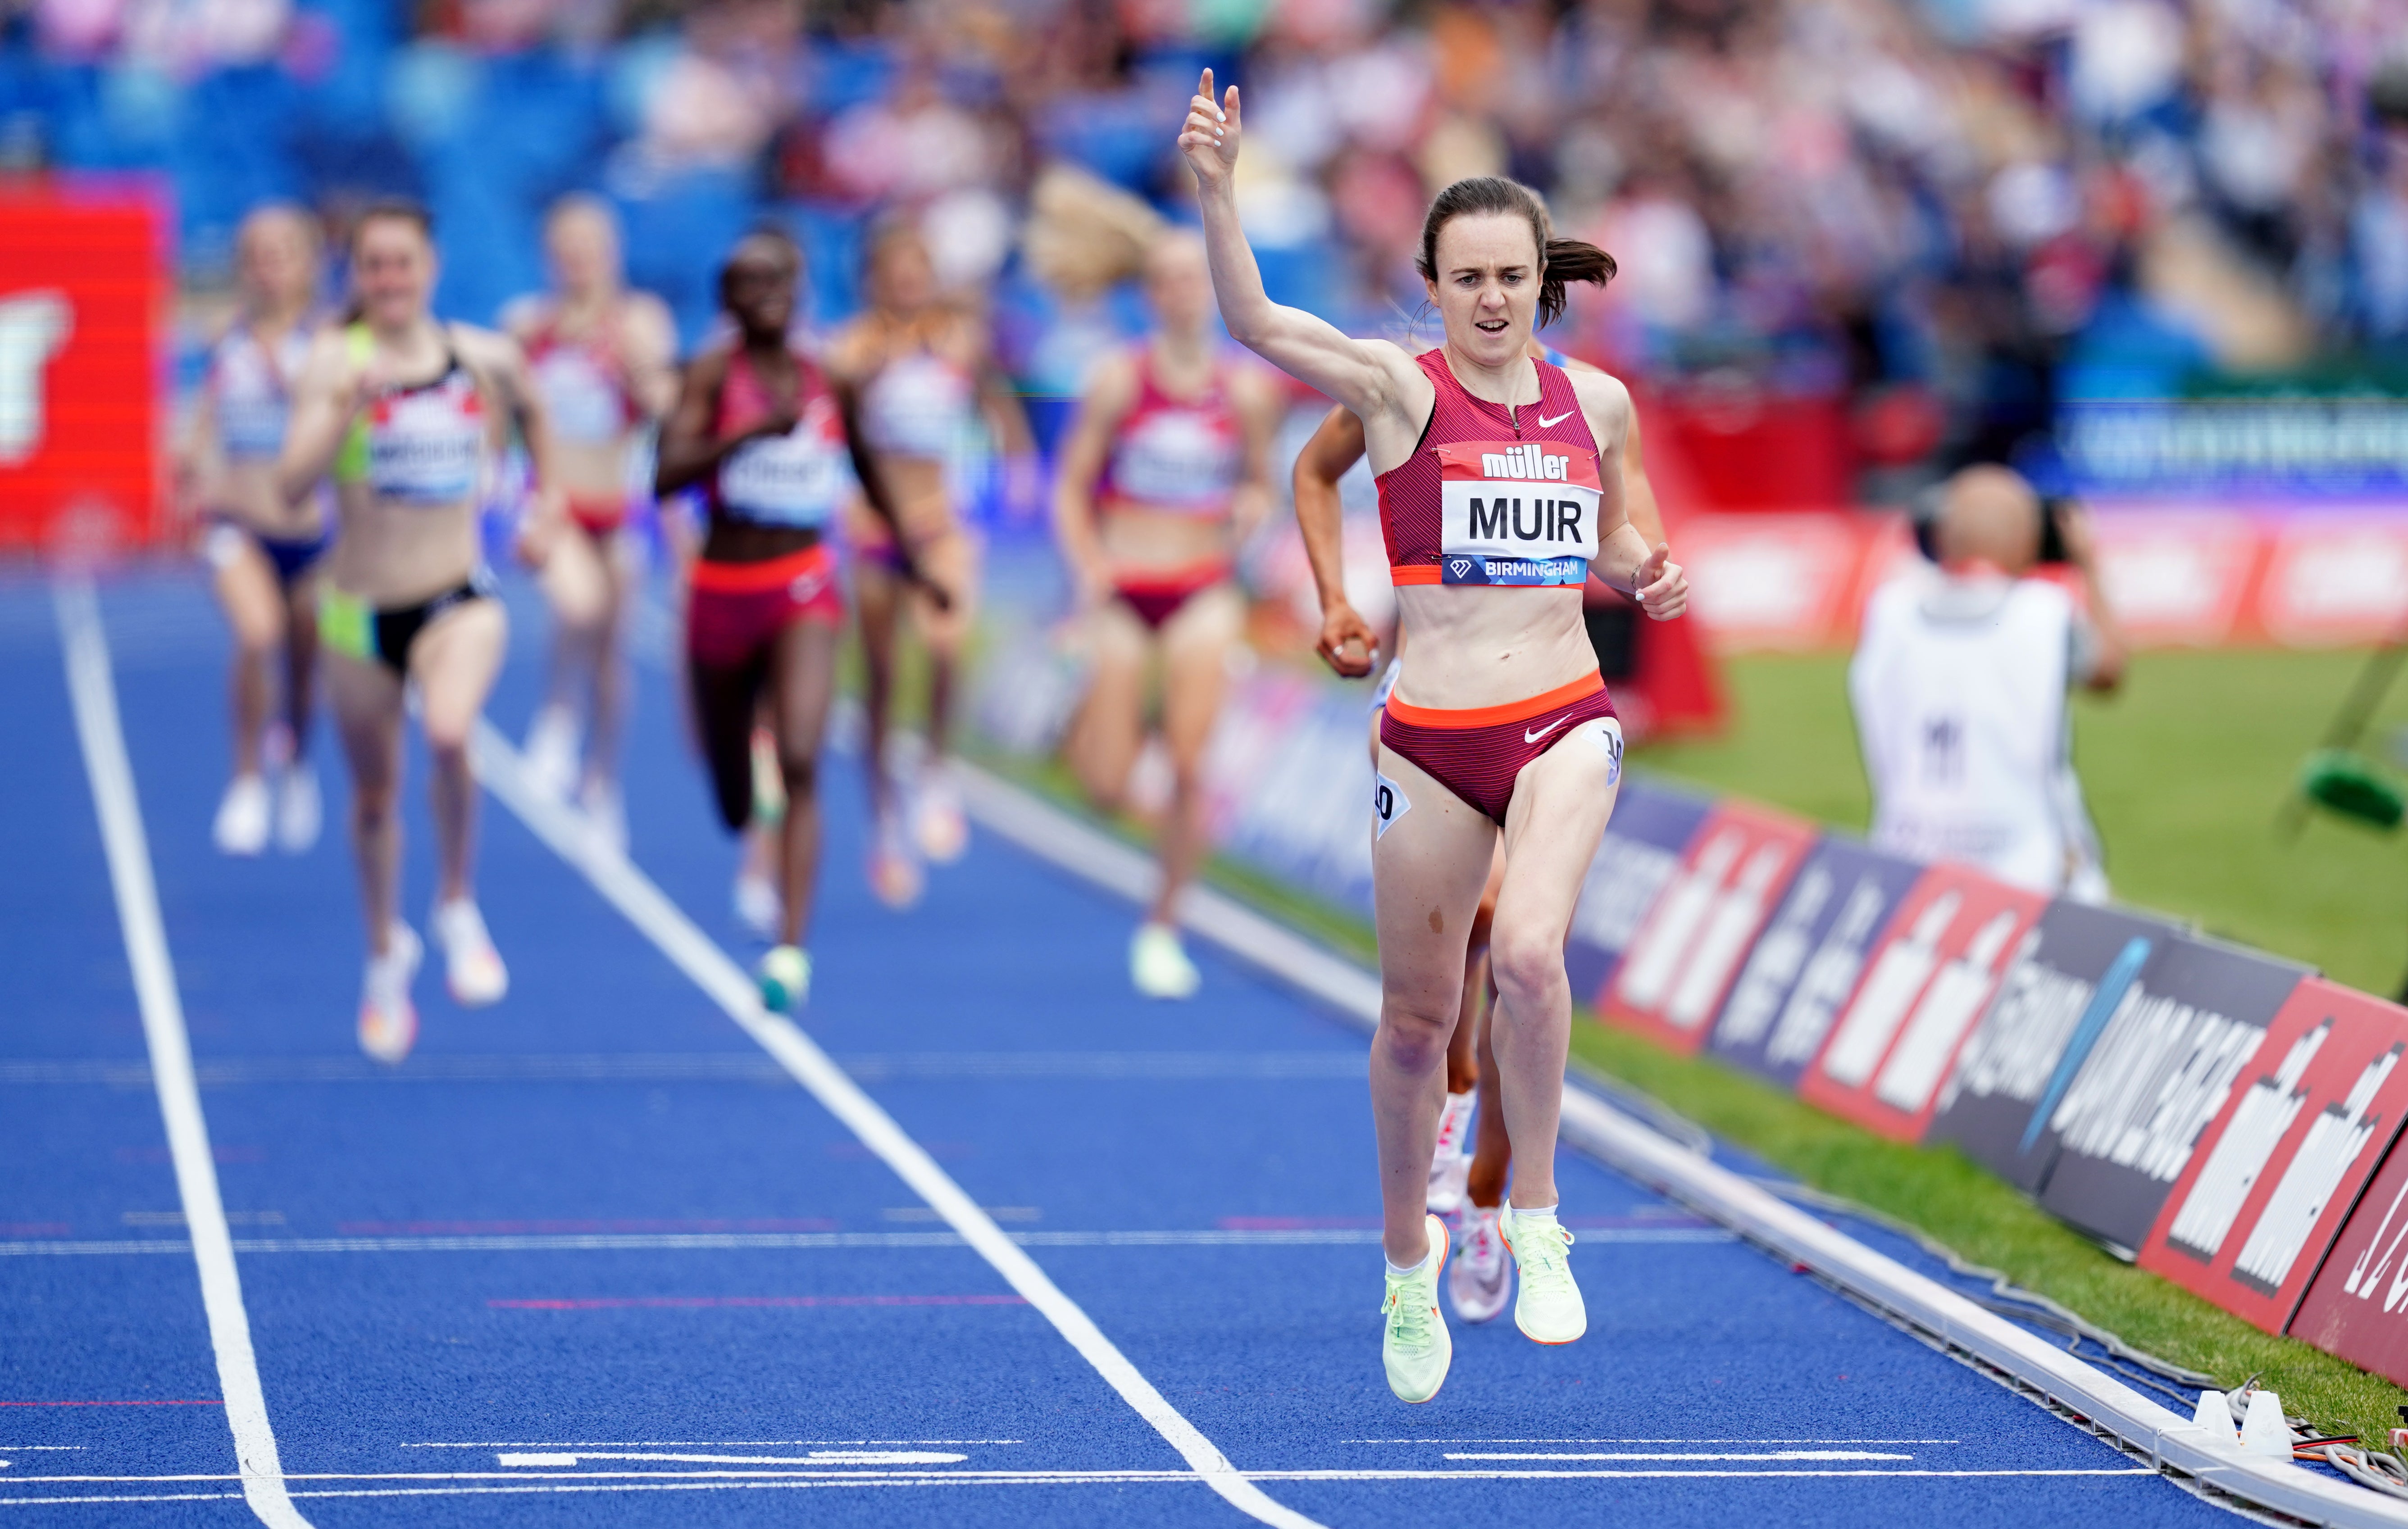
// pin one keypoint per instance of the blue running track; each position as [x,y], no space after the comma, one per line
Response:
[592,1257]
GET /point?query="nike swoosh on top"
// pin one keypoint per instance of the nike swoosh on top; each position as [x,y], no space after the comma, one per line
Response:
[1529,737]
[1545,423]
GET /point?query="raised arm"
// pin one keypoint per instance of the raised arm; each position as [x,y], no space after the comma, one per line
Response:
[1111,392]
[1373,378]
[501,363]
[1347,643]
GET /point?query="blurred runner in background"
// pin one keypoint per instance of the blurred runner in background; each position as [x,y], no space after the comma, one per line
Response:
[1164,476]
[925,373]
[604,361]
[770,441]
[1461,1176]
[263,549]
[406,416]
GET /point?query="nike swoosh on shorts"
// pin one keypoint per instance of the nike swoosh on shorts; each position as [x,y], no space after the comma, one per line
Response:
[1545,423]
[1529,737]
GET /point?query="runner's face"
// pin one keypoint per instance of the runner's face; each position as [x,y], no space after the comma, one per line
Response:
[584,255]
[1179,284]
[278,267]
[1487,286]
[906,280]
[760,288]
[392,268]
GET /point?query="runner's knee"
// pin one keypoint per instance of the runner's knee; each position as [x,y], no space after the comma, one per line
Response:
[801,773]
[1526,968]
[1417,1037]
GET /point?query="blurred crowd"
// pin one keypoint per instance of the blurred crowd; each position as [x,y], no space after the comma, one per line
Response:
[1944,213]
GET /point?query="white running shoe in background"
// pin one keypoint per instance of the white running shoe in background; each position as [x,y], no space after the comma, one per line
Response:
[387,1018]
[472,968]
[894,874]
[1481,1275]
[938,821]
[1451,1163]
[300,813]
[242,823]
[1158,964]
[758,906]
[606,815]
[552,744]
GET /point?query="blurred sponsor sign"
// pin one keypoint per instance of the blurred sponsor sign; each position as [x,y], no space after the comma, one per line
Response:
[1931,975]
[2356,1304]
[1775,581]
[81,287]
[2133,1107]
[1652,827]
[1689,946]
[2179,578]
[2267,1186]
[2072,974]
[2288,446]
[2334,580]
[1806,963]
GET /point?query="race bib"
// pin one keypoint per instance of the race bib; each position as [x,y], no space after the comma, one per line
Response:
[1388,804]
[1178,459]
[251,406]
[583,403]
[797,478]
[1516,512]
[427,446]
[918,407]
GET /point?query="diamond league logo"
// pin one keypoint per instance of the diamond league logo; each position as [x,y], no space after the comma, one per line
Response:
[1462,566]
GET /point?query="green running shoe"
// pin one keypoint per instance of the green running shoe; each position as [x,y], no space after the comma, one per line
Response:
[1416,1348]
[785,979]
[1549,1308]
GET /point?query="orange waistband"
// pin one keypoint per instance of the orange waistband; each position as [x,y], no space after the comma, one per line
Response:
[1511,711]
[1185,576]
[768,573]
[1413,573]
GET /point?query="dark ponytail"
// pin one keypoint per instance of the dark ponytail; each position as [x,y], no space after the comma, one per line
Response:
[1561,261]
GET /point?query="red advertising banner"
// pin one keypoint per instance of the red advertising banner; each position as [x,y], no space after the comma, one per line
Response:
[83,280]
[2272,1177]
[2180,578]
[1680,963]
[2333,581]
[1928,977]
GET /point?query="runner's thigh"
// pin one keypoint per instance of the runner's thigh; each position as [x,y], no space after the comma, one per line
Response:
[1430,859]
[1561,802]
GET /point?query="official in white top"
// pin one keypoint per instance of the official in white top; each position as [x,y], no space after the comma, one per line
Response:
[1960,682]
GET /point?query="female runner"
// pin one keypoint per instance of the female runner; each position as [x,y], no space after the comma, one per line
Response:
[263,549]
[1162,479]
[922,369]
[404,414]
[1474,1177]
[771,440]
[1500,485]
[604,361]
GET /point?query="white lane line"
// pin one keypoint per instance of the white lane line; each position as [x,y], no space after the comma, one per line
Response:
[695,1443]
[1088,1478]
[667,926]
[576,1242]
[93,689]
[1756,1441]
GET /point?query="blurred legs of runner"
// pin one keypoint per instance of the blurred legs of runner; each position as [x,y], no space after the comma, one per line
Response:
[586,580]
[268,616]
[791,686]
[452,662]
[1109,734]
[935,827]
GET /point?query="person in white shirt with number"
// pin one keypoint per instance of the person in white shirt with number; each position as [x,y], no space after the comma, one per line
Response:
[406,415]
[1959,684]
[1500,487]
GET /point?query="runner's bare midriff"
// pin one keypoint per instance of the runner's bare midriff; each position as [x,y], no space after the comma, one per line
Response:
[1471,646]
[394,552]
[591,469]
[245,491]
[1135,537]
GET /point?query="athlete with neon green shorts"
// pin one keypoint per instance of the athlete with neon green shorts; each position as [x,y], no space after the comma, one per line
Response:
[404,415]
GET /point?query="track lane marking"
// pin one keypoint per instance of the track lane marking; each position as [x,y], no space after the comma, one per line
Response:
[667,926]
[91,688]
[737,1242]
